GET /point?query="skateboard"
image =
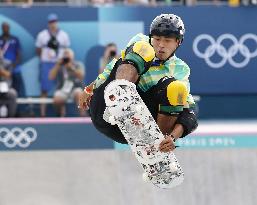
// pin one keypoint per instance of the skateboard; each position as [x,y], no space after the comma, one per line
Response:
[126,109]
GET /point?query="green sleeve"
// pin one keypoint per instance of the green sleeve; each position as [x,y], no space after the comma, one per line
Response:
[105,74]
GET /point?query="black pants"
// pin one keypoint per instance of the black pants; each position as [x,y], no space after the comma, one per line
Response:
[97,108]
[9,99]
[152,99]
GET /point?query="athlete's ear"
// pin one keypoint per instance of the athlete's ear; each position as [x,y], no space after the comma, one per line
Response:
[179,41]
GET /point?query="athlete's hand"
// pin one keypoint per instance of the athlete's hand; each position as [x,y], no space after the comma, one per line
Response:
[84,100]
[167,144]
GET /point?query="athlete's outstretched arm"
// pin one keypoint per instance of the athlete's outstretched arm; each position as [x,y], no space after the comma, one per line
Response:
[186,123]
[174,97]
[173,131]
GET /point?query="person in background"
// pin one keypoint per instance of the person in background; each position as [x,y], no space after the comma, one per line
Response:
[11,50]
[50,44]
[69,75]
[8,95]
[26,2]
[110,53]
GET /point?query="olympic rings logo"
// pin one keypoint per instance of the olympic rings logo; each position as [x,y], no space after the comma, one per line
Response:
[17,137]
[226,54]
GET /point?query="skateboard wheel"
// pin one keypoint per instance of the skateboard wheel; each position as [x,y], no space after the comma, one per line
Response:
[139,108]
[173,167]
[145,177]
[112,120]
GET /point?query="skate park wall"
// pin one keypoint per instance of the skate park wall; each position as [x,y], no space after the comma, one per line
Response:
[92,177]
[67,162]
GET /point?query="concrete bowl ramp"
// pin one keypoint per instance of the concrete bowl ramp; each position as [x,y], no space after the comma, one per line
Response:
[109,177]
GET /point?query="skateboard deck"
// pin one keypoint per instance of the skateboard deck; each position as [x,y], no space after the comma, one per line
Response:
[126,109]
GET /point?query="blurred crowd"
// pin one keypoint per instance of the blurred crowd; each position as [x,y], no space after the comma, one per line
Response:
[131,2]
[60,72]
[61,75]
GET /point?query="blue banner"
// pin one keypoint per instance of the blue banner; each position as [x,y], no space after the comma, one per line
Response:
[79,133]
[209,142]
[220,44]
[51,134]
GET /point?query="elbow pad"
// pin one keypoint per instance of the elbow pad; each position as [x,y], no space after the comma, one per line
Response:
[188,120]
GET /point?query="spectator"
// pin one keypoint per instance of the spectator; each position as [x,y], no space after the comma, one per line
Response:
[138,2]
[10,46]
[244,3]
[50,45]
[8,95]
[194,2]
[69,75]
[28,2]
[101,2]
[110,52]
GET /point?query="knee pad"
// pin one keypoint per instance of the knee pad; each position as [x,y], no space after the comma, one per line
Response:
[172,96]
[177,93]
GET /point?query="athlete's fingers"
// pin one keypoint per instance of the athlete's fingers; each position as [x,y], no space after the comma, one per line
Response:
[165,141]
[86,104]
[84,101]
[81,99]
[166,149]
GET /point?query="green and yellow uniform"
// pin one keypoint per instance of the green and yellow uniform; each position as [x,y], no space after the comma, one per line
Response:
[173,67]
[164,86]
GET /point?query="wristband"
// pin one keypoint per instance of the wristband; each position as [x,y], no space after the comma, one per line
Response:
[87,90]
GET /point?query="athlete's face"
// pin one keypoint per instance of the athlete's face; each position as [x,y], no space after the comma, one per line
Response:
[164,46]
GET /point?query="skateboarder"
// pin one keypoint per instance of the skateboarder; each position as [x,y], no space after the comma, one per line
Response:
[161,79]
